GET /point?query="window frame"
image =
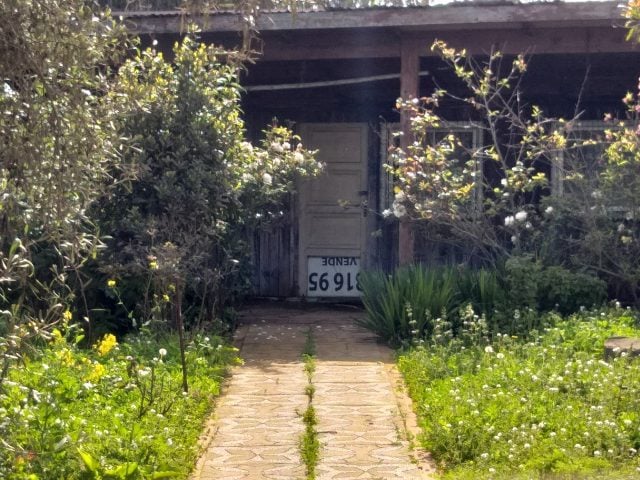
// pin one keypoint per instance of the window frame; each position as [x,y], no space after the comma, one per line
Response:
[389,132]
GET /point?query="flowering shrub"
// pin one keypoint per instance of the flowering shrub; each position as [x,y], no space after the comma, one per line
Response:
[181,228]
[504,209]
[511,409]
[114,412]
[442,181]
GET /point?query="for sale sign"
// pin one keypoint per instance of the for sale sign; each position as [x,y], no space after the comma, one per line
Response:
[333,276]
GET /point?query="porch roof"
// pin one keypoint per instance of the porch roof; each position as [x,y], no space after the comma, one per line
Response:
[473,15]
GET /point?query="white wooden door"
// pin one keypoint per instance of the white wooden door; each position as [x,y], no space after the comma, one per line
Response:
[332,211]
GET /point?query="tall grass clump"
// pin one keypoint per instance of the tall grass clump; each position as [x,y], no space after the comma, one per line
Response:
[403,305]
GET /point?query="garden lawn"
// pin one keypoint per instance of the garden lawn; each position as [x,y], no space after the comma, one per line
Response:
[113,411]
[548,407]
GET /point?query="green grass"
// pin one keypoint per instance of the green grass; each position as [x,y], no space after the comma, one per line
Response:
[550,407]
[116,411]
[309,443]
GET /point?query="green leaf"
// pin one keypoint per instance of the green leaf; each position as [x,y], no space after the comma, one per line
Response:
[165,474]
[89,462]
[123,472]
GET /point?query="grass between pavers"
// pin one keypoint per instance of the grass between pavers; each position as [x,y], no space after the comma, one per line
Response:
[114,411]
[309,443]
[549,407]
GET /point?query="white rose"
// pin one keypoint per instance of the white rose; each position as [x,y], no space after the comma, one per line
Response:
[521,216]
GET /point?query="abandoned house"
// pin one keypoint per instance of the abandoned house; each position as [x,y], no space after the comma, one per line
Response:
[335,76]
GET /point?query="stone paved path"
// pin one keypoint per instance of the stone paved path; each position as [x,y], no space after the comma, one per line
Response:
[363,416]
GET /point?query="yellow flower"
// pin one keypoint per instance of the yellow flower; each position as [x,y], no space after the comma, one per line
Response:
[56,336]
[105,345]
[111,283]
[65,357]
[96,373]
[67,316]
[153,265]
[165,298]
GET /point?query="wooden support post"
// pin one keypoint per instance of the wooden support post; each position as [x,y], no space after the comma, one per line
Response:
[409,73]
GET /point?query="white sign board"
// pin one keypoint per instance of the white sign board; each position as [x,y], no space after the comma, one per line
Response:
[333,277]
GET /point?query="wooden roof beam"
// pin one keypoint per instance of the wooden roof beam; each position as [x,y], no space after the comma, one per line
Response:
[469,16]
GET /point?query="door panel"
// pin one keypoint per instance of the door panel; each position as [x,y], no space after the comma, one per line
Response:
[332,222]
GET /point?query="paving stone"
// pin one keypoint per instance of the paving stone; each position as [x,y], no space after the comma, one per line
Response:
[350,411]
[364,440]
[395,454]
[279,455]
[349,471]
[367,373]
[259,387]
[289,408]
[363,391]
[253,471]
[259,435]
[356,422]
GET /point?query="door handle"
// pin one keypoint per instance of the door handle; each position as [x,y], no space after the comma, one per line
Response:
[364,204]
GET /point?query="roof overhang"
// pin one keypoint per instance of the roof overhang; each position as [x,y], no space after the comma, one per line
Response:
[446,17]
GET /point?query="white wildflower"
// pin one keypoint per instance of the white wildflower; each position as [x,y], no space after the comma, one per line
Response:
[521,216]
[399,210]
[508,221]
[267,179]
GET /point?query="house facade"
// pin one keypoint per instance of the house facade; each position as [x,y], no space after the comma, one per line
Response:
[335,76]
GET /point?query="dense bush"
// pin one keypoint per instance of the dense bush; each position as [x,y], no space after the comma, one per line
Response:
[59,138]
[542,408]
[530,284]
[180,228]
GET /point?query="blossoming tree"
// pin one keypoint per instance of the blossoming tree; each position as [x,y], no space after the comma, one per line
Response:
[591,228]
